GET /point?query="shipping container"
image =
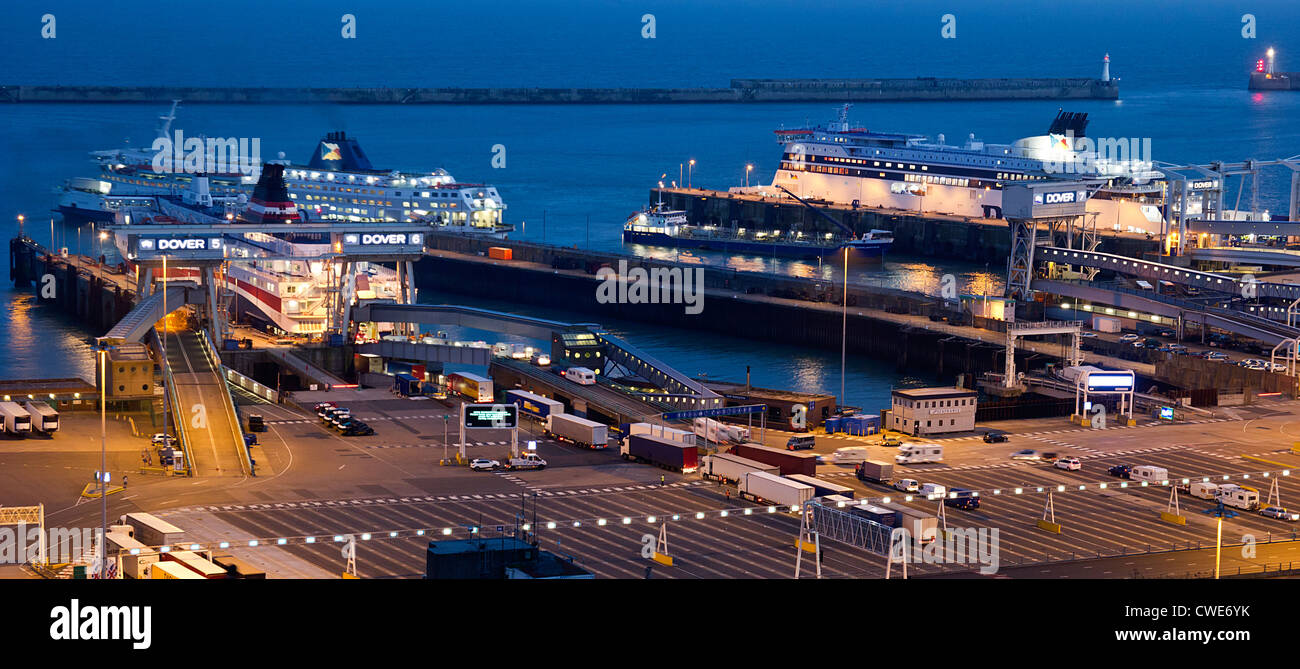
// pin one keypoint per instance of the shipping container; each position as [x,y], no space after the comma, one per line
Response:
[660,452]
[472,386]
[151,530]
[731,468]
[876,514]
[500,253]
[823,488]
[406,385]
[236,568]
[171,570]
[766,488]
[44,418]
[1106,324]
[924,527]
[195,563]
[875,471]
[790,462]
[532,404]
[133,566]
[682,436]
[577,431]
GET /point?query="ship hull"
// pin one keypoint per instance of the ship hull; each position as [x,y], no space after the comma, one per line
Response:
[858,252]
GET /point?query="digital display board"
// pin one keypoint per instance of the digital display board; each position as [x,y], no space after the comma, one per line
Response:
[491,416]
[1166,413]
[1112,381]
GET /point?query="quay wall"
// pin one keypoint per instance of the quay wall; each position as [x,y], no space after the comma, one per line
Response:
[78,291]
[747,314]
[740,91]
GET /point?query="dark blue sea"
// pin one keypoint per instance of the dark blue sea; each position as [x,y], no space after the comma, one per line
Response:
[1182,67]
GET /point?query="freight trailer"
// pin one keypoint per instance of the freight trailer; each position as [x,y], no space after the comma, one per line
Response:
[875,471]
[577,431]
[472,386]
[151,530]
[44,418]
[790,462]
[680,436]
[823,488]
[532,404]
[924,527]
[766,488]
[660,452]
[731,468]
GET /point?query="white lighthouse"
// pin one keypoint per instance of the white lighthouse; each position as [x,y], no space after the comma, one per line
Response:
[1105,68]
[1270,53]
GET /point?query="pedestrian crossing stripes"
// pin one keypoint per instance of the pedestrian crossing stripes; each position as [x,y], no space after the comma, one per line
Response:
[311,504]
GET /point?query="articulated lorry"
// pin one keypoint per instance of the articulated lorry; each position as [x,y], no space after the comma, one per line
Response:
[577,431]
[766,488]
[790,462]
[660,452]
[534,405]
[875,471]
[731,468]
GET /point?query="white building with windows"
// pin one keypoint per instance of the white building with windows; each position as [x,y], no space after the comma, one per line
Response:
[922,411]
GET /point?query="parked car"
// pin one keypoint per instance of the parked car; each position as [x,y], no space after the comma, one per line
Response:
[891,442]
[163,439]
[358,429]
[1026,454]
[1068,464]
[1088,334]
[995,437]
[1121,471]
[1129,336]
[907,485]
[483,464]
[1167,333]
[1279,512]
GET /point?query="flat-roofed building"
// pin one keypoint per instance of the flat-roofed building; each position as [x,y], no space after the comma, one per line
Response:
[922,411]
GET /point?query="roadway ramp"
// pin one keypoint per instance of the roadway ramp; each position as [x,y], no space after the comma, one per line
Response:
[203,409]
[140,320]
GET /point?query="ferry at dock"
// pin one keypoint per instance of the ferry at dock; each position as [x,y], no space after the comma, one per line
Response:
[337,183]
[846,164]
[659,226]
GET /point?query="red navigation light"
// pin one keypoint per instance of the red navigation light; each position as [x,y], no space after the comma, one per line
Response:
[1259,65]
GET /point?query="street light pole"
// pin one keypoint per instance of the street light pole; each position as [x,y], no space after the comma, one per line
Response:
[103,462]
[844,323]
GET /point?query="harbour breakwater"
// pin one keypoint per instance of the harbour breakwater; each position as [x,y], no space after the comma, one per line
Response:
[740,91]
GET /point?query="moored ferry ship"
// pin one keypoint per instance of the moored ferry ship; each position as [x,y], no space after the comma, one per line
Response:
[659,226]
[338,183]
[846,164]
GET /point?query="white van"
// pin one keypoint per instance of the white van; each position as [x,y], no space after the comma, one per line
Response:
[581,376]
[1241,497]
[850,454]
[919,453]
[1149,473]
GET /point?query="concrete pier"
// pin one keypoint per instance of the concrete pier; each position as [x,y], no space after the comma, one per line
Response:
[740,91]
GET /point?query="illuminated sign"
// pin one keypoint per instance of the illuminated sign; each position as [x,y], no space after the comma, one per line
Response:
[1205,184]
[491,416]
[180,244]
[1060,197]
[1166,413]
[383,239]
[1112,381]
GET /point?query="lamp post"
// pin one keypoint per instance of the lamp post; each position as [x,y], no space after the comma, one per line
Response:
[844,323]
[689,173]
[748,169]
[103,462]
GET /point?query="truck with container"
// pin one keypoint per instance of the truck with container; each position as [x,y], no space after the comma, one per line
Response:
[532,404]
[406,385]
[472,386]
[717,431]
[577,431]
[924,527]
[790,462]
[660,452]
[44,418]
[875,471]
[823,488]
[731,468]
[16,419]
[766,488]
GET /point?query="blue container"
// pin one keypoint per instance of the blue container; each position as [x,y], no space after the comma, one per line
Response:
[335,340]
[832,424]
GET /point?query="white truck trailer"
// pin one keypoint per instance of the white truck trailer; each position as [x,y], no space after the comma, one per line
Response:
[766,488]
[577,431]
[16,419]
[732,468]
[44,418]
